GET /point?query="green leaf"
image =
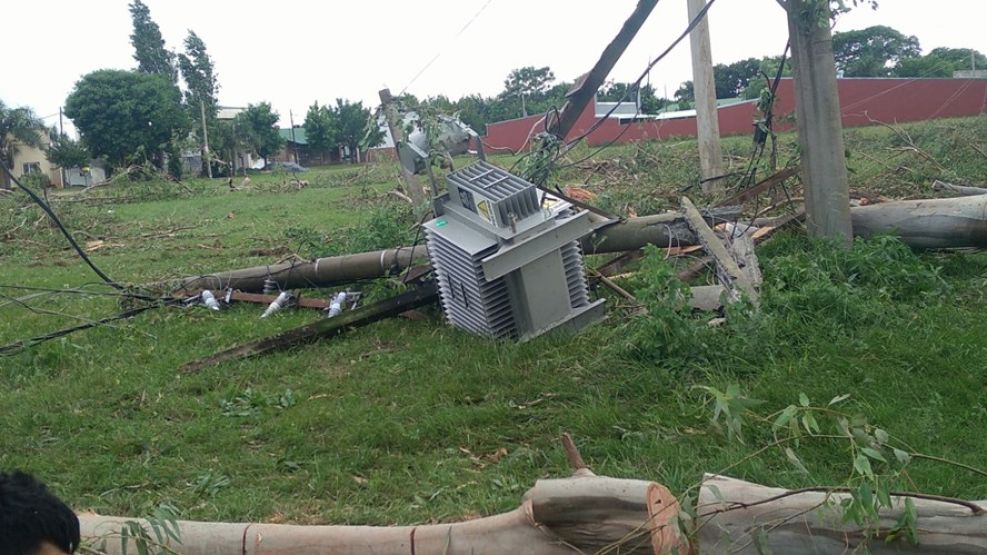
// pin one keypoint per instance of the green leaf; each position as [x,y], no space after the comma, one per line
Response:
[838,399]
[862,465]
[902,456]
[873,453]
[795,460]
[803,399]
[785,416]
[716,493]
[881,436]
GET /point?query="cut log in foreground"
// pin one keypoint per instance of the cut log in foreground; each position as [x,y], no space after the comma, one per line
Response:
[596,514]
[582,514]
[922,224]
[742,518]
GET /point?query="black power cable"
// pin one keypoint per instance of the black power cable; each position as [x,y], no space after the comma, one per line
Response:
[51,214]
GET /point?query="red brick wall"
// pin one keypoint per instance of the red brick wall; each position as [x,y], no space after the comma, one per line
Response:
[861,100]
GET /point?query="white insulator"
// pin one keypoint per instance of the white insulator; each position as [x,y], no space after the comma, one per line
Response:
[280,302]
[209,300]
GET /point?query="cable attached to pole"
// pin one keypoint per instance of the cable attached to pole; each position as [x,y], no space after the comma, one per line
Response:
[51,214]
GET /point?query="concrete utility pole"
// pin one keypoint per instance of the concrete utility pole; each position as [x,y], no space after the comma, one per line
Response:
[205,139]
[820,128]
[584,90]
[61,135]
[394,123]
[704,88]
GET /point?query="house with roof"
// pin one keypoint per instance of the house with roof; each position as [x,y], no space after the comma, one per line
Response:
[32,160]
[297,149]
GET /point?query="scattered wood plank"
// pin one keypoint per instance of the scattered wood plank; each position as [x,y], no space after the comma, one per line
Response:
[362,316]
[959,190]
[727,269]
[740,244]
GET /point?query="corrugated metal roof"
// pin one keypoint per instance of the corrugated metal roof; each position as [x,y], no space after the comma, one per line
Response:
[296,136]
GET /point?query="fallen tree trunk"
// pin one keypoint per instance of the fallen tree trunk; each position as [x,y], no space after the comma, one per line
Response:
[926,224]
[597,514]
[960,190]
[581,514]
[742,518]
[921,224]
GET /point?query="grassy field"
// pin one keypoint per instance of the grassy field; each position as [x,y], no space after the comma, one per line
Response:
[411,421]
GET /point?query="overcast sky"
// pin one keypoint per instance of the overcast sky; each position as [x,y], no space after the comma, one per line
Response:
[293,52]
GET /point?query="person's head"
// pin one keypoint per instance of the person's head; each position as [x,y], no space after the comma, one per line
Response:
[32,520]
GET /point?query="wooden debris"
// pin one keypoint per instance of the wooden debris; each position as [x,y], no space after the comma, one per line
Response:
[742,518]
[362,316]
[959,190]
[727,270]
[761,186]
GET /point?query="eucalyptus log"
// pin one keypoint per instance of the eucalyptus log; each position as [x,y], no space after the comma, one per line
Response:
[742,518]
[960,190]
[927,224]
[557,517]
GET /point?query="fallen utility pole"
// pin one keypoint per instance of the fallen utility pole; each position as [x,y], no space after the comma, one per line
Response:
[661,229]
[420,296]
[921,224]
[584,90]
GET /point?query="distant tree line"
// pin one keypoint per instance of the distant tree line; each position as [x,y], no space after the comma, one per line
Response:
[157,111]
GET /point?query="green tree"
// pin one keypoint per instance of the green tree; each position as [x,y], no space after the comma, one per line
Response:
[198,72]
[120,114]
[732,79]
[149,47]
[352,124]
[17,126]
[941,62]
[258,126]
[526,82]
[872,52]
[649,102]
[321,127]
[67,152]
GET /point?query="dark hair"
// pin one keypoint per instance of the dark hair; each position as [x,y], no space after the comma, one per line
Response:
[31,515]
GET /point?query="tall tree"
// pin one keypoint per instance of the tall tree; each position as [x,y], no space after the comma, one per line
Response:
[124,115]
[198,72]
[820,128]
[526,82]
[321,127]
[149,47]
[872,52]
[17,126]
[258,125]
[941,62]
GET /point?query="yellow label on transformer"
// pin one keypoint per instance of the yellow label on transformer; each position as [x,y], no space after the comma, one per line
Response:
[483,209]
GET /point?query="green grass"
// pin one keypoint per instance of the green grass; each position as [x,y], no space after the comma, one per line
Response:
[401,422]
